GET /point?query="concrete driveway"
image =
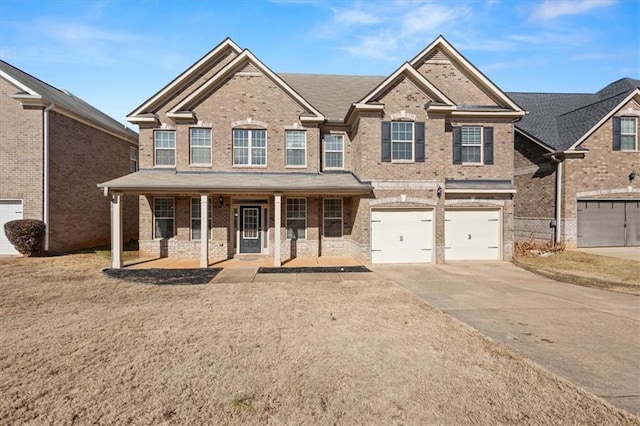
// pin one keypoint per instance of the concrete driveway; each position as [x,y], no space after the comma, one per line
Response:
[589,336]
[631,253]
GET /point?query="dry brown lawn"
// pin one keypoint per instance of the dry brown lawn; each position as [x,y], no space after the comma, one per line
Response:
[587,269]
[78,347]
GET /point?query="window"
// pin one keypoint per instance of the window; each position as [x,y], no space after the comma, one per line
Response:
[401,141]
[333,151]
[133,159]
[249,147]
[628,133]
[163,218]
[296,146]
[296,218]
[165,147]
[200,140]
[333,217]
[195,219]
[471,145]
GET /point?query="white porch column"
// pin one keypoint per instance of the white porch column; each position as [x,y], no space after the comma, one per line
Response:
[204,231]
[116,231]
[278,220]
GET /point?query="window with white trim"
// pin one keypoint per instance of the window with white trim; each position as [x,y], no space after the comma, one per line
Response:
[296,218]
[200,149]
[249,147]
[402,141]
[163,218]
[296,148]
[333,151]
[628,135]
[332,212]
[471,145]
[164,142]
[195,219]
[133,159]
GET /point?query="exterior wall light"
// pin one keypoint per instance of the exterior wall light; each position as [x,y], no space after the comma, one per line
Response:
[439,191]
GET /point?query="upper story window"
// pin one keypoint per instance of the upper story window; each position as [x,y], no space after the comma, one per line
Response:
[133,159]
[296,147]
[296,218]
[249,147]
[333,151]
[164,142]
[200,149]
[628,133]
[473,145]
[403,141]
[163,218]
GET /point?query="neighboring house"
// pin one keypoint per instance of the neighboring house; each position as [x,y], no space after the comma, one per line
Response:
[54,149]
[576,165]
[416,166]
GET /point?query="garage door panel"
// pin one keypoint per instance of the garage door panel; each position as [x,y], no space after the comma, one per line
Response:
[601,223]
[472,235]
[633,223]
[401,236]
[9,210]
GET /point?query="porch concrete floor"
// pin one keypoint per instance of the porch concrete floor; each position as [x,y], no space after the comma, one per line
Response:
[182,263]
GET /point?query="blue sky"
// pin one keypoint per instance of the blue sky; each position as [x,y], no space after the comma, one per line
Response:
[116,54]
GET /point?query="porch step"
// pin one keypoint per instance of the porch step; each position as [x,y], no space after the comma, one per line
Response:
[249,257]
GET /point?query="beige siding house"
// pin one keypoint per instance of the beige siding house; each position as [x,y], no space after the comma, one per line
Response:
[54,149]
[237,160]
[576,160]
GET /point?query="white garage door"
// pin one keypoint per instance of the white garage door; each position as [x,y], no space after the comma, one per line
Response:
[401,236]
[9,210]
[472,234]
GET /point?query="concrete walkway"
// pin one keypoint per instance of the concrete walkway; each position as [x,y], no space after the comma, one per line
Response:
[631,253]
[240,262]
[589,336]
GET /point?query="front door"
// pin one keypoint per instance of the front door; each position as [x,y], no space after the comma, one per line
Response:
[250,232]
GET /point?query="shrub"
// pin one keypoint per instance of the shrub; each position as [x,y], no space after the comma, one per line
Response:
[26,235]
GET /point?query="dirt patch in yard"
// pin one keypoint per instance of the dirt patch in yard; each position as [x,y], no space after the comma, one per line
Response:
[586,269]
[80,347]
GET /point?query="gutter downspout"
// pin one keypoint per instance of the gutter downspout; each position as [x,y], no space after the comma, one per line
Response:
[46,176]
[558,198]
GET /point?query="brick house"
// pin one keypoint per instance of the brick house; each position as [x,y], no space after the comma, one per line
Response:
[54,148]
[416,166]
[576,162]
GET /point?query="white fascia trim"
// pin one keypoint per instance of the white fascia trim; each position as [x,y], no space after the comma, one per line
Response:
[536,141]
[407,68]
[135,120]
[440,108]
[633,94]
[182,115]
[507,114]
[17,84]
[479,191]
[227,43]
[361,106]
[311,119]
[245,56]
[30,100]
[442,42]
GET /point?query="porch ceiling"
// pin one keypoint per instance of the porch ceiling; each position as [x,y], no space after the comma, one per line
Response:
[170,181]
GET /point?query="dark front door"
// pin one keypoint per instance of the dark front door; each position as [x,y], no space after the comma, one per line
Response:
[250,232]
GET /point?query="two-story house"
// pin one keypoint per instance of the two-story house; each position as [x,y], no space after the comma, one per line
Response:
[576,162]
[236,159]
[54,148]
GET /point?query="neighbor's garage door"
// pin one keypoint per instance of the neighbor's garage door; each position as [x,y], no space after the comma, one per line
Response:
[9,210]
[610,223]
[401,236]
[472,234]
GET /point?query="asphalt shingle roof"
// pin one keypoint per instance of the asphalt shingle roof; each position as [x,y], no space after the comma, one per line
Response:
[332,95]
[66,100]
[560,119]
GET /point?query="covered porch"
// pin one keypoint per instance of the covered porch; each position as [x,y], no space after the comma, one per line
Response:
[279,218]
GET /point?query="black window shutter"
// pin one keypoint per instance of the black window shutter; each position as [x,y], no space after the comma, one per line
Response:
[419,143]
[488,145]
[457,145]
[386,141]
[616,133]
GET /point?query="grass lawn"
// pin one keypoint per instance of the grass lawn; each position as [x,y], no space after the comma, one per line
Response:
[587,269]
[78,347]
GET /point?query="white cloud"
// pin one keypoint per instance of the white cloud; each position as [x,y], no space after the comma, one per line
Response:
[551,9]
[354,17]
